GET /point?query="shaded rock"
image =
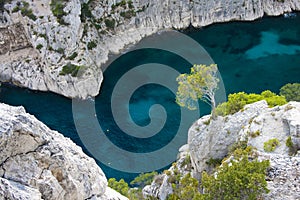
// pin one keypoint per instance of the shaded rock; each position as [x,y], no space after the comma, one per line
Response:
[43,163]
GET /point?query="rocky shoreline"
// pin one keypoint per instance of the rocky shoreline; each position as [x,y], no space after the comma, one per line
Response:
[66,52]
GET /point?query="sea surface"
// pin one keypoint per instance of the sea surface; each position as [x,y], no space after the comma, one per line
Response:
[251,57]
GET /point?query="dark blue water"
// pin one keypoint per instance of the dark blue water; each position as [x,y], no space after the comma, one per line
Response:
[251,57]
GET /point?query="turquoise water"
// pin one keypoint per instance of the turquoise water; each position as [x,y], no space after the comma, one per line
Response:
[251,57]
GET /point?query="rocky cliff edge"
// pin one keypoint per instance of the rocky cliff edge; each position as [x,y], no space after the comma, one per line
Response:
[38,163]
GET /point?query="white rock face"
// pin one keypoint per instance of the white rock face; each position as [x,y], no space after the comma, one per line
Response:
[38,163]
[15,190]
[39,69]
[159,188]
[212,139]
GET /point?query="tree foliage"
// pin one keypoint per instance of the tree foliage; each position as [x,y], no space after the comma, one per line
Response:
[271,145]
[144,179]
[291,91]
[237,101]
[236,180]
[201,83]
[187,189]
[120,186]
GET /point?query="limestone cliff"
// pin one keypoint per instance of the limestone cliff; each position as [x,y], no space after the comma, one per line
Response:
[80,35]
[38,163]
[256,124]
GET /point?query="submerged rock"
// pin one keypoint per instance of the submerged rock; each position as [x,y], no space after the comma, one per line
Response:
[87,33]
[38,163]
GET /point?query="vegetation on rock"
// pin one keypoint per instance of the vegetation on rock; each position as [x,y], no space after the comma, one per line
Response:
[237,179]
[144,179]
[291,91]
[57,8]
[271,145]
[25,10]
[237,101]
[70,69]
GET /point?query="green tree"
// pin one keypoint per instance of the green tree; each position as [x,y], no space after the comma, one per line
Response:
[291,91]
[236,180]
[144,179]
[201,83]
[120,186]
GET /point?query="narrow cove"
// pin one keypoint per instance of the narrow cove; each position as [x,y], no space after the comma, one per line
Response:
[251,57]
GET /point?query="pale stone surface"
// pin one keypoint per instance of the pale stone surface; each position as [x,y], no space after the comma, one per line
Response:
[211,138]
[212,141]
[14,190]
[38,162]
[40,69]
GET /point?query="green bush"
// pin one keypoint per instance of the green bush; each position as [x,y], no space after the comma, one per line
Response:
[25,10]
[291,91]
[110,23]
[241,179]
[60,50]
[70,69]
[128,14]
[39,46]
[120,186]
[73,56]
[57,8]
[271,145]
[144,179]
[290,145]
[255,134]
[91,45]
[85,12]
[237,101]
[187,189]
[214,162]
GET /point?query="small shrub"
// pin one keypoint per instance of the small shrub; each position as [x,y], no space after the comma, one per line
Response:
[186,161]
[255,134]
[238,145]
[237,101]
[70,69]
[91,45]
[290,145]
[241,179]
[271,145]
[110,23]
[25,10]
[144,179]
[214,162]
[85,12]
[73,56]
[57,8]
[60,50]
[207,122]
[187,188]
[128,14]
[291,91]
[130,4]
[120,186]
[39,46]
